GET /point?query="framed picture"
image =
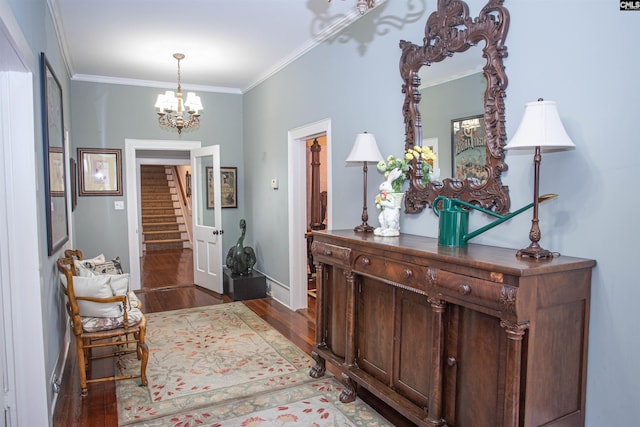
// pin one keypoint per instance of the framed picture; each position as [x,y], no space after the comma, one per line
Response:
[73,171]
[468,149]
[55,183]
[56,172]
[228,187]
[100,172]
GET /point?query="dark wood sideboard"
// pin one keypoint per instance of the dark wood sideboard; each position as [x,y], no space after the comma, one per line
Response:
[465,337]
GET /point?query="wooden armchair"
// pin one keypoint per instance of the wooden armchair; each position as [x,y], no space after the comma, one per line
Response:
[101,320]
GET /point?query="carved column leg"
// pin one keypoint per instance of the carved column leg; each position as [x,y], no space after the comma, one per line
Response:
[437,363]
[319,369]
[349,393]
[515,332]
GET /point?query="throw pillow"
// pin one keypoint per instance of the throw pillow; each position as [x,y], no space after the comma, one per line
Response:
[82,270]
[98,265]
[97,287]
[120,286]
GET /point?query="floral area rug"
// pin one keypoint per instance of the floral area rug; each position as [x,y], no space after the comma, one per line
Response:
[312,404]
[206,356]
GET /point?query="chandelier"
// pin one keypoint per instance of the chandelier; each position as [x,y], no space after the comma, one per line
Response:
[363,5]
[173,112]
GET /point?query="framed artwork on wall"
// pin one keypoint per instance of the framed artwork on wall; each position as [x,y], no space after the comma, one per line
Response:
[228,187]
[469,148]
[100,172]
[73,171]
[55,183]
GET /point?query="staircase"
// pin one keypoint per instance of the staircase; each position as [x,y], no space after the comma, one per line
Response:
[163,226]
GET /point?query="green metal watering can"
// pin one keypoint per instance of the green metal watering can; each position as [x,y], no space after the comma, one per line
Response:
[454,219]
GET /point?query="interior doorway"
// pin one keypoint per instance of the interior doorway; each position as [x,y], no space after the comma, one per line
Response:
[317,196]
[138,152]
[297,202]
[165,197]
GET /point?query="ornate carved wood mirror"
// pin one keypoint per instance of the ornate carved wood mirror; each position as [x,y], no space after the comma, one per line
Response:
[449,32]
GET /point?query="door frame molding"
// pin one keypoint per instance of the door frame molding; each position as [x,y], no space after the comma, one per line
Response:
[298,206]
[132,174]
[27,397]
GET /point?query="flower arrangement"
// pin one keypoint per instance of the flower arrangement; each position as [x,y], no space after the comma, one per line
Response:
[424,155]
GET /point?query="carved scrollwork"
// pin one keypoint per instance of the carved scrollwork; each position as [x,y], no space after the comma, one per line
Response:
[451,30]
[515,331]
[508,296]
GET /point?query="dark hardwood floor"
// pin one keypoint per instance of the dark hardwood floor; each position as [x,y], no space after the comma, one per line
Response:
[168,285]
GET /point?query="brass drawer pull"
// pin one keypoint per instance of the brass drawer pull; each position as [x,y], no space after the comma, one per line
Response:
[451,361]
[407,273]
[365,261]
[327,252]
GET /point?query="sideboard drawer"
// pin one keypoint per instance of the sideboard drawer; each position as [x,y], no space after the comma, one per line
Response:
[495,296]
[391,270]
[331,254]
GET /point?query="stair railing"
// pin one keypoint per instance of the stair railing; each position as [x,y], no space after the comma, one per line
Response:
[185,206]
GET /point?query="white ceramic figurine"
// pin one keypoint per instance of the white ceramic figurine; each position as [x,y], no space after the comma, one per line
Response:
[389,204]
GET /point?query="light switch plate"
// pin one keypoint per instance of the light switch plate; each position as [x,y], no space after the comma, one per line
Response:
[118,205]
[274,183]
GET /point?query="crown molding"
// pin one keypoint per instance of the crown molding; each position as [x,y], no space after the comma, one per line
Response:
[151,83]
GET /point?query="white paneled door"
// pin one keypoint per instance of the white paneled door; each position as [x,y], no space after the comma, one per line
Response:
[207,218]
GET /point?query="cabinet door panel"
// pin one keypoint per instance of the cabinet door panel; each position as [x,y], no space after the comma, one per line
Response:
[414,338]
[475,353]
[335,304]
[375,328]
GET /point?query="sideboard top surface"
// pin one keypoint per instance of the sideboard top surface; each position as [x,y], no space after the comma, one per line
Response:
[473,255]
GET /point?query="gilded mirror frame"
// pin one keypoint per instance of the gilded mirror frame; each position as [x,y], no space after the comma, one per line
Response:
[450,30]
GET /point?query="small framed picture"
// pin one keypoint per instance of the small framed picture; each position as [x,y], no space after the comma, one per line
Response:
[100,172]
[228,187]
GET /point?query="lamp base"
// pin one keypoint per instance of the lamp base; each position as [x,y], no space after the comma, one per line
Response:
[534,251]
[364,228]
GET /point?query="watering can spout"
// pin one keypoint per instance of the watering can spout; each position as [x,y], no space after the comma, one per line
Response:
[454,219]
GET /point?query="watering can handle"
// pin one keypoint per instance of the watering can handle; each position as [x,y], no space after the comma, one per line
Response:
[435,205]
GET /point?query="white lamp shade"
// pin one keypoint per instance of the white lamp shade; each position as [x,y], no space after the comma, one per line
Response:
[541,127]
[193,102]
[365,149]
[167,101]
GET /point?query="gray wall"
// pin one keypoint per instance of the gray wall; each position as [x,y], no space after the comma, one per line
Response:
[104,115]
[591,74]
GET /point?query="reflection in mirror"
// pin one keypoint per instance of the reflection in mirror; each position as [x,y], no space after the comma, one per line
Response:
[436,101]
[442,108]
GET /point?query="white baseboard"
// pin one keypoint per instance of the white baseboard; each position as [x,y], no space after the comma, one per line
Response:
[277,290]
[56,376]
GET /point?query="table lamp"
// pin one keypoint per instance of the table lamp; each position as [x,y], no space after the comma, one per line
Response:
[364,150]
[541,130]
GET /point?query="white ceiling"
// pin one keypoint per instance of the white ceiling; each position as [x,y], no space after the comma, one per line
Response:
[229,45]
